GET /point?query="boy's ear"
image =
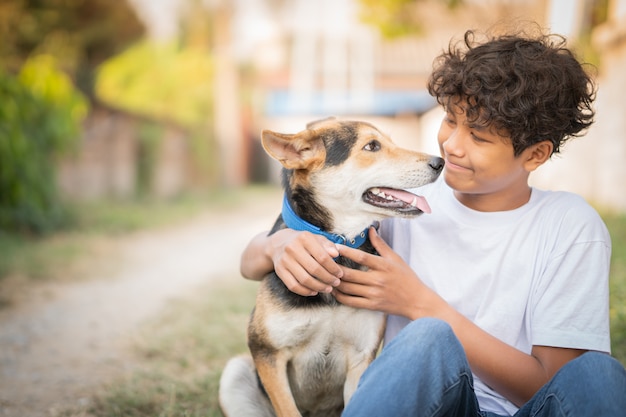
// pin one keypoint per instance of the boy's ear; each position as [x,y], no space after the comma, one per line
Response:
[537,154]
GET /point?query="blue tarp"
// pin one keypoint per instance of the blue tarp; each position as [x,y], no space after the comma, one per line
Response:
[384,103]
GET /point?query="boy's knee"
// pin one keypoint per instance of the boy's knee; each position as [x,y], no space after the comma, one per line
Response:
[595,364]
[424,360]
[596,376]
[429,330]
[430,338]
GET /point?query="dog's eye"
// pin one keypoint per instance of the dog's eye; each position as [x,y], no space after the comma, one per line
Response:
[372,146]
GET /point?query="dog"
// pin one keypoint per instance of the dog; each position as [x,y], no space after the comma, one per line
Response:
[308,353]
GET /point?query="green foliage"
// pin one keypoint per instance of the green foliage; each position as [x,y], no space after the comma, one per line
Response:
[161,81]
[389,16]
[149,140]
[80,34]
[396,18]
[40,116]
[617,227]
[597,14]
[182,355]
[67,107]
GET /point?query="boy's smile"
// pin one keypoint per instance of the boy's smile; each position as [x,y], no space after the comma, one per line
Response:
[481,166]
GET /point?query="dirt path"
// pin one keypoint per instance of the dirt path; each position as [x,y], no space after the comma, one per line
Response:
[69,338]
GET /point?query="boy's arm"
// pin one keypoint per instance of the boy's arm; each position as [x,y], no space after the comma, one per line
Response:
[255,261]
[302,260]
[514,374]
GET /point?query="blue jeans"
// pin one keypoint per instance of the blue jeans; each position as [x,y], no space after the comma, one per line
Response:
[424,372]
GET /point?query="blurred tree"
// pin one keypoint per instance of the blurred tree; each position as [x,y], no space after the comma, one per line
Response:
[598,11]
[160,81]
[180,81]
[40,117]
[81,34]
[51,45]
[395,18]
[169,81]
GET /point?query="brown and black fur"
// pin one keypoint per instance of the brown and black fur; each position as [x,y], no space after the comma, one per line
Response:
[308,353]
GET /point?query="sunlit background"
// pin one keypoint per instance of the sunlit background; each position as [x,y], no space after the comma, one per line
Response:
[131,172]
[104,99]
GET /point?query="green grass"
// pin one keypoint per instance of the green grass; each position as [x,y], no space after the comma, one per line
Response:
[617,228]
[35,258]
[47,257]
[181,356]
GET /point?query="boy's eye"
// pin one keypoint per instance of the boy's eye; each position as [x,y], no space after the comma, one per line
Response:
[372,146]
[479,139]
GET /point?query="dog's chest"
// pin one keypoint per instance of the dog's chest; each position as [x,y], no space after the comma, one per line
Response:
[324,328]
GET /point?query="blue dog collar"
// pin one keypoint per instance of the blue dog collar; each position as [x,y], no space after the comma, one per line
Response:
[293,221]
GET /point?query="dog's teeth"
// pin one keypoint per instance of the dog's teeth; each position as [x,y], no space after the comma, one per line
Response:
[414,202]
[379,193]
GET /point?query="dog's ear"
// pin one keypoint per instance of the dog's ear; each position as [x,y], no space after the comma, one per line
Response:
[294,151]
[310,125]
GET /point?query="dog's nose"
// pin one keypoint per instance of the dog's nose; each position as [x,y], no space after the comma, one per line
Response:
[436,163]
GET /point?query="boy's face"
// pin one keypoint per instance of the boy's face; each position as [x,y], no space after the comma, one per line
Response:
[480,164]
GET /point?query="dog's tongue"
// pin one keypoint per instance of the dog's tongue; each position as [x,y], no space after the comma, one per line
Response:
[409,198]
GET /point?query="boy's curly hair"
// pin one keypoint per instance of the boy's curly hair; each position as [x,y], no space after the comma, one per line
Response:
[530,89]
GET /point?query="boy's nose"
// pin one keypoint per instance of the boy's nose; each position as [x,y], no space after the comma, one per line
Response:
[452,144]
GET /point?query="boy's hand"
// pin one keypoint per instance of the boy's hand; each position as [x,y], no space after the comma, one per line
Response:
[304,262]
[390,285]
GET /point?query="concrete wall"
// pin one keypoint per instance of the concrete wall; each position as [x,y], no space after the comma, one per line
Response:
[106,163]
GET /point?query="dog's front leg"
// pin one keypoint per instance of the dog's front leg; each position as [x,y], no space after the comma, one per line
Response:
[272,371]
[352,380]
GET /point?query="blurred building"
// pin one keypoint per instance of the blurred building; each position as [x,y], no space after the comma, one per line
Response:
[320,60]
[331,64]
[282,64]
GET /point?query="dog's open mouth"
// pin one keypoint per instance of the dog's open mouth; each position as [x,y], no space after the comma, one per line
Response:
[398,200]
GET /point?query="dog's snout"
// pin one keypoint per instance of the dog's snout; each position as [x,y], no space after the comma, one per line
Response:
[436,163]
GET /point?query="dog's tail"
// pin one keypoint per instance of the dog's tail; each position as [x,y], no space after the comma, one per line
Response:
[240,392]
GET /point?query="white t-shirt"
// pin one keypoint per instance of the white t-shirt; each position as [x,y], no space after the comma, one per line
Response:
[536,275]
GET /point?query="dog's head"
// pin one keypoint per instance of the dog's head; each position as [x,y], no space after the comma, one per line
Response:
[343,175]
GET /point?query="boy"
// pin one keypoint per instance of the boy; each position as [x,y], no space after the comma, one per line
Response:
[498,300]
